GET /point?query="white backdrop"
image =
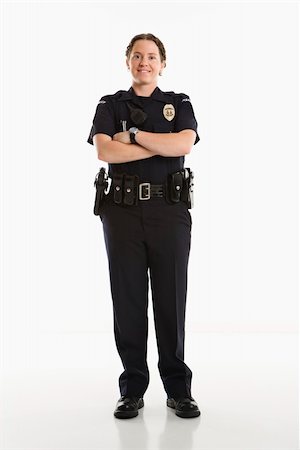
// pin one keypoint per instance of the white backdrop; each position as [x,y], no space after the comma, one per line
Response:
[238,62]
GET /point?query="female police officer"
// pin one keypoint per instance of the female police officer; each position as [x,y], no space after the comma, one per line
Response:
[143,135]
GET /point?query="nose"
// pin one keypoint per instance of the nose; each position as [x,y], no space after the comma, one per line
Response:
[143,61]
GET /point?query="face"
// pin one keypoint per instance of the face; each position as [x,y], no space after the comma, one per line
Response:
[144,62]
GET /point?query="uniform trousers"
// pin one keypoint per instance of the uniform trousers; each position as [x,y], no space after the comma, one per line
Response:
[151,238]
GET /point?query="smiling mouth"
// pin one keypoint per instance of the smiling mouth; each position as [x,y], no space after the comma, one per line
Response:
[144,71]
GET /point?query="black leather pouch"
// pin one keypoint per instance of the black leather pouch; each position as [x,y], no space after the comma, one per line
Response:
[130,189]
[118,188]
[174,187]
[100,184]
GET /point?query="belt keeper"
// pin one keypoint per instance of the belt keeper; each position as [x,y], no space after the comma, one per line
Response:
[157,190]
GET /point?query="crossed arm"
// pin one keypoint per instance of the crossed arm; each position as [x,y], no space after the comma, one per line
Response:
[119,148]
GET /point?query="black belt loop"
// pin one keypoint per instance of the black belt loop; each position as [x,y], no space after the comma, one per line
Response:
[118,188]
[157,190]
[130,189]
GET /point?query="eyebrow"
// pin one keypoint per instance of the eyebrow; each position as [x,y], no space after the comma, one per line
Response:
[151,53]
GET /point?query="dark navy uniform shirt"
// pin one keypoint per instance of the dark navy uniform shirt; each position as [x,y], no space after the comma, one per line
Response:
[113,109]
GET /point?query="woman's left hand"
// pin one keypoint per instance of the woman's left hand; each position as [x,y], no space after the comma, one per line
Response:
[123,137]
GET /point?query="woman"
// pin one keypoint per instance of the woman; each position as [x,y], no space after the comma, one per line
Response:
[143,134]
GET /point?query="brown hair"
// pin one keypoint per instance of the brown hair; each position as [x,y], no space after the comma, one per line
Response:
[149,37]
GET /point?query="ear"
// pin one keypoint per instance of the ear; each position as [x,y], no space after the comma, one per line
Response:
[163,65]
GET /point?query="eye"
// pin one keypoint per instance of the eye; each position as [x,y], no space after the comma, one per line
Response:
[135,56]
[152,57]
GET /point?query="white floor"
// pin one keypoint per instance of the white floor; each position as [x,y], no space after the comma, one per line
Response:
[246,386]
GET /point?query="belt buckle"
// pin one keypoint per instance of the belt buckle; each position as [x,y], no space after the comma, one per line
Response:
[147,186]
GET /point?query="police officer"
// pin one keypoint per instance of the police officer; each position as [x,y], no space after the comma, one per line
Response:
[144,134]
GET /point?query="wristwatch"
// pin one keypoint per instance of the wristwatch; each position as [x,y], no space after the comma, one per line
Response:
[132,132]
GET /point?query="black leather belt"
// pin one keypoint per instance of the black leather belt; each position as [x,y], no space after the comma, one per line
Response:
[128,189]
[147,191]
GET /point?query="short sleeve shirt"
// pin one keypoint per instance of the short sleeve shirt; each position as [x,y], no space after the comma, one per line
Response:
[166,112]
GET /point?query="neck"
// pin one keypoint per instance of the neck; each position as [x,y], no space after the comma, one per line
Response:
[145,90]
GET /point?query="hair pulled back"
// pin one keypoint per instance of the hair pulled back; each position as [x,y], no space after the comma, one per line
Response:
[149,37]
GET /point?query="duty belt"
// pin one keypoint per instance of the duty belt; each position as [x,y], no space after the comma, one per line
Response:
[127,189]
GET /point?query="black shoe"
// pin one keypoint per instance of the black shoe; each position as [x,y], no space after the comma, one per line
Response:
[128,407]
[184,406]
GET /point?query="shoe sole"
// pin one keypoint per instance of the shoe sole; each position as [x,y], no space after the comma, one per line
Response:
[129,414]
[183,414]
